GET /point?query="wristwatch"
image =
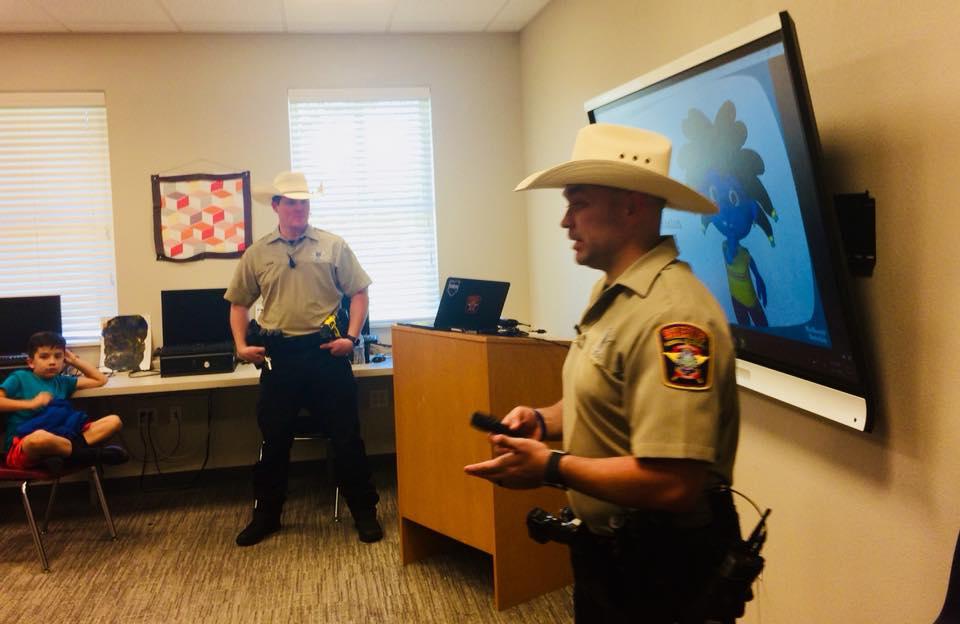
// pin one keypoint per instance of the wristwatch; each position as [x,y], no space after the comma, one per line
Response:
[353,339]
[551,475]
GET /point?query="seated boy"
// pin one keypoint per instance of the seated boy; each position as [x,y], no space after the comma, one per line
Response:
[26,395]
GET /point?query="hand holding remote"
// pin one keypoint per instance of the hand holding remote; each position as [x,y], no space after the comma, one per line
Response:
[486,422]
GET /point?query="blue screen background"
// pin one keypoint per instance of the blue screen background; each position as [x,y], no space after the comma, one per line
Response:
[794,309]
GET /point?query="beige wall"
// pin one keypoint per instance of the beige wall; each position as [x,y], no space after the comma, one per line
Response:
[188,103]
[864,524]
[174,100]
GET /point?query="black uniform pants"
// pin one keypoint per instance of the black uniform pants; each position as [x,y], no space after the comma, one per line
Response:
[652,573]
[304,376]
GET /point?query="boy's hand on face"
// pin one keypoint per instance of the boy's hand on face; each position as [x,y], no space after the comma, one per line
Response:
[70,357]
[41,400]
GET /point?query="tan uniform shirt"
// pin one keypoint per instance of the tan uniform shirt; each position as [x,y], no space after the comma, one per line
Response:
[297,299]
[650,375]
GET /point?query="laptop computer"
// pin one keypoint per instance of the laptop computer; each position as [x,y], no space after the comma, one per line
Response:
[195,322]
[470,305]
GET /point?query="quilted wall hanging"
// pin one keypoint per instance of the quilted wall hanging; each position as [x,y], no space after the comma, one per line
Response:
[201,215]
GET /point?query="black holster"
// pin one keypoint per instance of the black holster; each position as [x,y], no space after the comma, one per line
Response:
[673,561]
[279,346]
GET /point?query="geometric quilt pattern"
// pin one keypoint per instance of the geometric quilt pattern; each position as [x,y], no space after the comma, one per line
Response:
[200,215]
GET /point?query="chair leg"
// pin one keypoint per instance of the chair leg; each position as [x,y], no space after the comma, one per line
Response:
[336,505]
[33,527]
[333,479]
[46,514]
[103,502]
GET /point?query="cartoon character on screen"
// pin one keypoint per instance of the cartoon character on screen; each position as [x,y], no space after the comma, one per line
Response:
[720,167]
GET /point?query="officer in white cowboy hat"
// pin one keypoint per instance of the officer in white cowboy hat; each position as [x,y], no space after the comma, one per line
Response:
[301,274]
[649,416]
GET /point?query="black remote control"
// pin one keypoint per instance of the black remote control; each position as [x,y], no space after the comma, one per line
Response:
[486,422]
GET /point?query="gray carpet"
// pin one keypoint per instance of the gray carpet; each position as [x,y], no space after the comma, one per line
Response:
[175,560]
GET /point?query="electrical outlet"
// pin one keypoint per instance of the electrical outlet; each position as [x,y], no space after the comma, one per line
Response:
[146,414]
[175,413]
[379,399]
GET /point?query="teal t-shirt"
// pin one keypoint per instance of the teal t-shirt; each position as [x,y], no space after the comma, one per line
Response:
[24,385]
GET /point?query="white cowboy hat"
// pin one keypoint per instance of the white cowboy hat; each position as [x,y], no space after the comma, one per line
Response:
[292,184]
[622,157]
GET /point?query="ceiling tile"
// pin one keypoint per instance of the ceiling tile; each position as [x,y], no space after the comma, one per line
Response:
[226,15]
[516,14]
[322,16]
[25,16]
[444,15]
[338,15]
[109,15]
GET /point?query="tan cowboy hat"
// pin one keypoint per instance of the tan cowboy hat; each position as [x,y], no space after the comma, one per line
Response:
[292,184]
[622,157]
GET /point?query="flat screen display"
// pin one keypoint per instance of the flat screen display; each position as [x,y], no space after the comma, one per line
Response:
[21,317]
[739,116]
[198,316]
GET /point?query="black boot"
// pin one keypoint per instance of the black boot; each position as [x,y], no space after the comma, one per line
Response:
[94,455]
[368,528]
[112,455]
[266,521]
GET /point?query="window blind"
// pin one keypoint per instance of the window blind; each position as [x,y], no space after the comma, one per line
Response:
[56,213]
[372,150]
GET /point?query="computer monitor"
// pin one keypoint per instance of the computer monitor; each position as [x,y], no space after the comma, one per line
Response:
[343,318]
[195,316]
[21,317]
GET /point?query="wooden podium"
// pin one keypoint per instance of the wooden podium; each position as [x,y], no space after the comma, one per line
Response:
[440,378]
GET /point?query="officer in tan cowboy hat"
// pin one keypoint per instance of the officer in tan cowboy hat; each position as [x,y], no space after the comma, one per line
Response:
[649,416]
[290,184]
[302,273]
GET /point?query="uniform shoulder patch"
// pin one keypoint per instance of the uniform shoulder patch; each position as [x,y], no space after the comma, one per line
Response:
[686,356]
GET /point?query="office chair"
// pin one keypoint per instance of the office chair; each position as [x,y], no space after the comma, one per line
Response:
[303,435]
[306,432]
[343,318]
[35,475]
[950,613]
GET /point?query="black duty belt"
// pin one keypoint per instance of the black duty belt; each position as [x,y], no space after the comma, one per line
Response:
[277,344]
[281,346]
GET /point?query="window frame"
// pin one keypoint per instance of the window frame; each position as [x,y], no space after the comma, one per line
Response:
[28,168]
[424,216]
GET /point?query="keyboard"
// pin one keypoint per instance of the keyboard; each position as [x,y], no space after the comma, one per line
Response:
[196,348]
[14,360]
